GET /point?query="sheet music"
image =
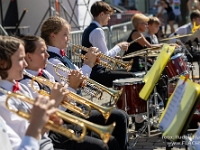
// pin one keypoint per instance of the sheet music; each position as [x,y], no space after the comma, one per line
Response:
[173,106]
[196,141]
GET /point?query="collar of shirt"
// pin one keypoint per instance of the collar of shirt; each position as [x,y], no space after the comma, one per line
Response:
[33,72]
[96,23]
[7,85]
[54,50]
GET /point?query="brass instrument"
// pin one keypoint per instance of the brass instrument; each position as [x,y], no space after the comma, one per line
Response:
[105,111]
[103,131]
[95,85]
[112,62]
[50,124]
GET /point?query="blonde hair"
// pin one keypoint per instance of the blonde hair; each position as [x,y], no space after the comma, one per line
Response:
[53,24]
[137,18]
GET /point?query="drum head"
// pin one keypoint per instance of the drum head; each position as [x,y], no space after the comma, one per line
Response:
[127,81]
[177,55]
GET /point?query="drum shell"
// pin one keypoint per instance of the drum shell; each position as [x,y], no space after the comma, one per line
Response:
[130,96]
[176,66]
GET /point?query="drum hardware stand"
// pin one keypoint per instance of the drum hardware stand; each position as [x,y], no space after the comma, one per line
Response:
[155,95]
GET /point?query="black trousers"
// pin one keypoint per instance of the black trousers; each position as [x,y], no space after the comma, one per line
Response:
[117,142]
[106,77]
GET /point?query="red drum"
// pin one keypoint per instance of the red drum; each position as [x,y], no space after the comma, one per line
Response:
[176,66]
[130,100]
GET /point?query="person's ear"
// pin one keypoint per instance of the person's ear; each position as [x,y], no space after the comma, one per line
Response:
[101,14]
[28,57]
[52,35]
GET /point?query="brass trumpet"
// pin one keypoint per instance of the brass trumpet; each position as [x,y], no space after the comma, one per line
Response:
[115,94]
[105,111]
[103,131]
[50,124]
[112,62]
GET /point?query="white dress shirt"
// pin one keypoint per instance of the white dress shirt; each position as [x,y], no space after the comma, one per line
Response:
[86,70]
[181,31]
[11,141]
[17,123]
[34,93]
[27,81]
[97,39]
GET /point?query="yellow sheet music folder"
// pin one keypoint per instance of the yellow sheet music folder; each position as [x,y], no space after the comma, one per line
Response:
[153,75]
[178,108]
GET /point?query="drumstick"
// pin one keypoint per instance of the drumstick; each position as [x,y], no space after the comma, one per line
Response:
[135,40]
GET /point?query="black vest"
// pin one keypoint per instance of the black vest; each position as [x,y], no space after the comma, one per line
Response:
[65,60]
[86,43]
[41,86]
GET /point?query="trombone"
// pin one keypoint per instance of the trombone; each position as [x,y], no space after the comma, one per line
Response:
[112,61]
[103,131]
[105,111]
[115,94]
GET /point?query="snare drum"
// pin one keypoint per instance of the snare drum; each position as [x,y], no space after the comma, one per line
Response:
[130,100]
[176,66]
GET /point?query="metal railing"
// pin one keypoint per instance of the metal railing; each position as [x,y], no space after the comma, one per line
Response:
[119,33]
[2,31]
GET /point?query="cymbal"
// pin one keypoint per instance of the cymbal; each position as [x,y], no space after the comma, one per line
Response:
[142,52]
[175,37]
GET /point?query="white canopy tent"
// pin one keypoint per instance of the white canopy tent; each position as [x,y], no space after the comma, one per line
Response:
[76,12]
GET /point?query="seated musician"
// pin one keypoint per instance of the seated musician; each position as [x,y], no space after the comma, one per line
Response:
[94,36]
[40,112]
[56,38]
[187,28]
[12,63]
[153,27]
[140,23]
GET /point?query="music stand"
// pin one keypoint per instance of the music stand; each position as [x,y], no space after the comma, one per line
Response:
[187,106]
[153,75]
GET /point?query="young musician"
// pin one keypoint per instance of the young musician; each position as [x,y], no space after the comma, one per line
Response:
[56,39]
[94,36]
[12,63]
[140,23]
[40,112]
[153,27]
[187,28]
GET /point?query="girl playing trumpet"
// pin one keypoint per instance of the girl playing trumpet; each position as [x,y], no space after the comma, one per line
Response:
[36,56]
[12,63]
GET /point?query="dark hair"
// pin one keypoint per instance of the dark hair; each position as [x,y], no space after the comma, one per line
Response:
[99,7]
[30,42]
[8,46]
[195,14]
[53,24]
[154,20]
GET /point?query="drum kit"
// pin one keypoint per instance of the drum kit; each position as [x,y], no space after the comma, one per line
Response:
[130,100]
